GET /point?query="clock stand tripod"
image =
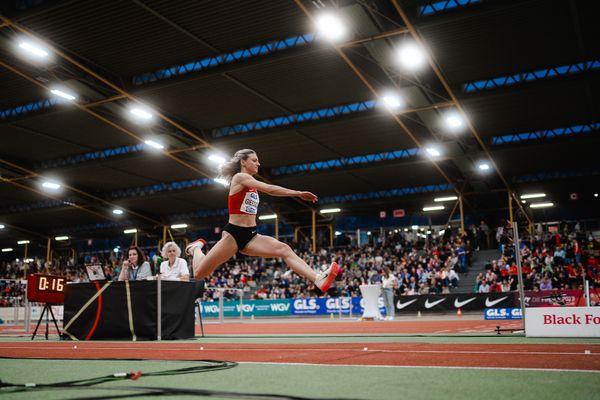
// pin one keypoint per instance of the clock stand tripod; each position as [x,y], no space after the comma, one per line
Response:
[47,310]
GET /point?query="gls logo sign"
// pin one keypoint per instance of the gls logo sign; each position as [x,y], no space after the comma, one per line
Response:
[502,313]
[306,304]
[336,303]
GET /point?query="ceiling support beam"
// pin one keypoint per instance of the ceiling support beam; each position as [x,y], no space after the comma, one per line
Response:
[126,95]
[415,35]
[71,188]
[105,81]
[383,35]
[364,80]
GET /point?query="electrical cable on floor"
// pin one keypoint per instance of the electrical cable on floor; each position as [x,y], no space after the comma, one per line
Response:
[89,383]
[207,366]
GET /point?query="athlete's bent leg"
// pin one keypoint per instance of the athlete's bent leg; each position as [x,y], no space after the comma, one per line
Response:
[203,265]
[266,246]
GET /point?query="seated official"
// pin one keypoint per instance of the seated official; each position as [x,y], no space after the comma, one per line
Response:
[174,268]
[135,267]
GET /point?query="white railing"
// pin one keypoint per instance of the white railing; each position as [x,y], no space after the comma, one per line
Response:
[240,293]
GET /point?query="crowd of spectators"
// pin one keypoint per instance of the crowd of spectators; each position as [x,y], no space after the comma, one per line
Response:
[550,260]
[422,261]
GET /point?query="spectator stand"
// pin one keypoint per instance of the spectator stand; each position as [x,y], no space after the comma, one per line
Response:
[15,310]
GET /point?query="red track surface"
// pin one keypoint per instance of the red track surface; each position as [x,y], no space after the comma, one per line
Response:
[361,327]
[567,356]
[405,354]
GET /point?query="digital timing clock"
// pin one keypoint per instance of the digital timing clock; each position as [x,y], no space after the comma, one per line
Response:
[46,288]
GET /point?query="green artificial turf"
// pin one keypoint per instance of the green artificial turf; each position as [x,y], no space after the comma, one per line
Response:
[339,382]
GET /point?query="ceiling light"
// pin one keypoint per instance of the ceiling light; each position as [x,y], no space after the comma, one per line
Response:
[484,166]
[154,144]
[51,185]
[141,114]
[448,198]
[221,181]
[23,242]
[128,231]
[523,201]
[414,227]
[7,249]
[33,49]
[217,159]
[62,94]
[117,211]
[454,121]
[369,233]
[331,26]
[541,205]
[330,210]
[2,226]
[338,233]
[595,195]
[405,229]
[533,195]
[392,101]
[411,56]
[179,226]
[433,208]
[269,216]
[433,152]
[59,238]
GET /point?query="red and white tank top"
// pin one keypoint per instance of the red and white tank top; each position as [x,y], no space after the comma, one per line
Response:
[244,202]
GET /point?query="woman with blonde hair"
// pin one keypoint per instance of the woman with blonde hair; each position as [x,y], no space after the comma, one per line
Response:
[239,234]
[173,268]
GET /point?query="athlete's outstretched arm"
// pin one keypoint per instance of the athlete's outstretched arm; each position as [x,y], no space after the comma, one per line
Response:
[273,190]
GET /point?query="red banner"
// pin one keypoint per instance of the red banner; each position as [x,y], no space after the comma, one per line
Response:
[399,213]
[554,298]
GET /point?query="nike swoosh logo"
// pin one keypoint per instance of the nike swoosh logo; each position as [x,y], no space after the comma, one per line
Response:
[459,304]
[401,306]
[492,303]
[433,303]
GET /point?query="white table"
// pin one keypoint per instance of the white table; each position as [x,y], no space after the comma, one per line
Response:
[370,294]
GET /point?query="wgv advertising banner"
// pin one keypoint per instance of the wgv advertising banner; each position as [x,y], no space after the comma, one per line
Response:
[258,308]
[284,307]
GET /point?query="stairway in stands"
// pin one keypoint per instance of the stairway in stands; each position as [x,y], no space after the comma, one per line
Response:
[480,258]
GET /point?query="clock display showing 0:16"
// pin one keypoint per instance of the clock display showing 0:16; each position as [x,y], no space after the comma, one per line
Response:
[49,284]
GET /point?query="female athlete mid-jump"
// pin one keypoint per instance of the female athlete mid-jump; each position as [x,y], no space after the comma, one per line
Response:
[240,232]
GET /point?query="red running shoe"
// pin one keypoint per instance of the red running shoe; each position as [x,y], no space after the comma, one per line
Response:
[190,248]
[326,278]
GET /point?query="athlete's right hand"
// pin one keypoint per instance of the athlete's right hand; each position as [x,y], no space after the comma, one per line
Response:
[308,196]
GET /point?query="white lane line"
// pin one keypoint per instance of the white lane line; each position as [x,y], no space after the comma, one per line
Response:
[279,350]
[420,366]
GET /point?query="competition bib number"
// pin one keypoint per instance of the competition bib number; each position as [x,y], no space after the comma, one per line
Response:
[250,203]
